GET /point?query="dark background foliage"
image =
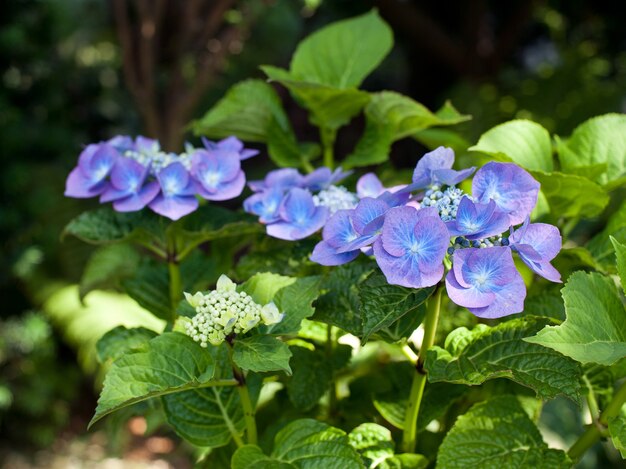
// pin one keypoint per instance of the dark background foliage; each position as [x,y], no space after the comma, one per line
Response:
[79,71]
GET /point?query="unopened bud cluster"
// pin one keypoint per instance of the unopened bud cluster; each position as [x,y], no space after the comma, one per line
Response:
[460,242]
[446,202]
[225,311]
[336,198]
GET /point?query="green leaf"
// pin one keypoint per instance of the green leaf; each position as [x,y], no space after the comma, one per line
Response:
[311,378]
[105,225]
[436,137]
[402,328]
[169,363]
[343,53]
[262,287]
[383,304]
[376,447]
[261,353]
[120,340]
[284,149]
[252,457]
[247,111]
[617,430]
[149,287]
[497,434]
[570,195]
[597,141]
[391,116]
[340,305]
[295,301]
[601,246]
[523,142]
[473,357]
[595,328]
[620,258]
[330,107]
[106,266]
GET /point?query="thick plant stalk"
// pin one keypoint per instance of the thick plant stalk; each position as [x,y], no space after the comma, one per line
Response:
[175,287]
[419,378]
[244,395]
[597,429]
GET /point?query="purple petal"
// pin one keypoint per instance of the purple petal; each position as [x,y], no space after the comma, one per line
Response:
[468,297]
[367,211]
[212,168]
[147,145]
[96,164]
[440,158]
[139,200]
[509,300]
[339,230]
[318,179]
[292,231]
[226,190]
[230,144]
[297,206]
[545,270]
[451,177]
[265,205]
[128,175]
[513,189]
[369,185]
[545,239]
[247,153]
[325,254]
[431,242]
[175,181]
[359,243]
[488,267]
[397,234]
[79,186]
[174,207]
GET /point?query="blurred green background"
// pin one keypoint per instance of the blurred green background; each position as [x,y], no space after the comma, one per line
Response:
[79,71]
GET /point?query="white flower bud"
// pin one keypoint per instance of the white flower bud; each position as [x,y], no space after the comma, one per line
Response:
[224,284]
[270,314]
[194,300]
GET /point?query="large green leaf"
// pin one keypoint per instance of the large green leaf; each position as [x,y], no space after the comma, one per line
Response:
[295,301]
[472,357]
[601,247]
[303,444]
[597,141]
[343,53]
[570,195]
[521,141]
[617,430]
[107,266]
[119,340]
[376,447]
[167,364]
[497,434]
[262,353]
[263,286]
[330,107]
[149,287]
[104,225]
[286,151]
[382,304]
[312,376]
[247,111]
[391,116]
[595,328]
[620,260]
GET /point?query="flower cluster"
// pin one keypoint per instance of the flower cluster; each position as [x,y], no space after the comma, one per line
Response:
[135,174]
[437,224]
[226,311]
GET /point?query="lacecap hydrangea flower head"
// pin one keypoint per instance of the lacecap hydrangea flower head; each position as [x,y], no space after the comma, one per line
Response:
[133,174]
[225,311]
[440,225]
[293,206]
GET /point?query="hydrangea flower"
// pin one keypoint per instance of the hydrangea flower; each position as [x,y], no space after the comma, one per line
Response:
[412,246]
[475,221]
[299,216]
[136,174]
[435,168]
[486,282]
[537,244]
[226,311]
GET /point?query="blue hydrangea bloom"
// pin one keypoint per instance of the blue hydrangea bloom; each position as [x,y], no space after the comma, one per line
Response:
[230,144]
[218,173]
[178,189]
[537,244]
[486,282]
[265,204]
[475,221]
[89,178]
[127,190]
[512,189]
[322,178]
[300,217]
[412,246]
[284,178]
[435,167]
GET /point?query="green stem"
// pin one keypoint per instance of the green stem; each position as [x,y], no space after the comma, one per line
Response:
[176,288]
[596,430]
[569,226]
[246,402]
[409,436]
[332,397]
[328,142]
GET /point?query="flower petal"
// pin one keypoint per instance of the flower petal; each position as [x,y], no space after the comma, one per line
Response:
[338,230]
[174,207]
[404,270]
[468,297]
[545,239]
[397,234]
[292,231]
[369,185]
[80,186]
[138,200]
[368,210]
[325,254]
[226,190]
[509,300]
[297,206]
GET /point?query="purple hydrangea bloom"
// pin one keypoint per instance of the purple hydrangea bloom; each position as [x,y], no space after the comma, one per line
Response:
[126,189]
[537,244]
[512,189]
[178,189]
[230,144]
[323,177]
[218,173]
[265,204]
[412,246]
[284,178]
[369,185]
[89,178]
[435,167]
[476,221]
[300,217]
[486,282]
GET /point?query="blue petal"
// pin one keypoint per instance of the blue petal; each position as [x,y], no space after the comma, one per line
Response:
[139,200]
[174,207]
[325,254]
[367,211]
[175,181]
[297,207]
[397,234]
[339,230]
[404,270]
[369,185]
[291,231]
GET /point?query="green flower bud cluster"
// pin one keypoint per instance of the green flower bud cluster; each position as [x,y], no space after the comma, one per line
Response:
[225,311]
